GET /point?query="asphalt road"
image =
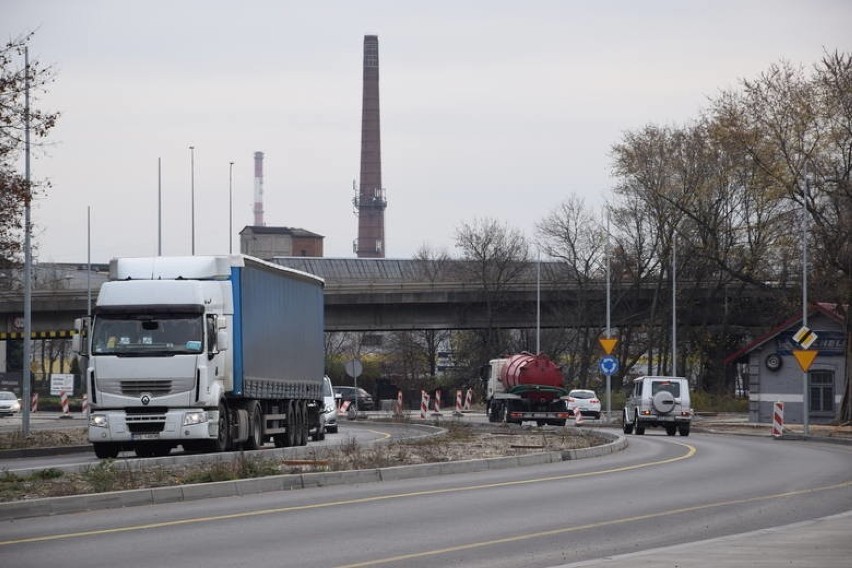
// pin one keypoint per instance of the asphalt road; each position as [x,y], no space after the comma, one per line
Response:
[660,491]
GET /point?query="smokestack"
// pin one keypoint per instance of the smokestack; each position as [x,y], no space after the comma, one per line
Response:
[258,189]
[371,202]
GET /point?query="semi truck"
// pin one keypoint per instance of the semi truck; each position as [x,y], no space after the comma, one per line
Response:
[210,353]
[525,387]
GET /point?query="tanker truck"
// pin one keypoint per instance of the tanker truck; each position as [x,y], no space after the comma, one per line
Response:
[211,353]
[525,387]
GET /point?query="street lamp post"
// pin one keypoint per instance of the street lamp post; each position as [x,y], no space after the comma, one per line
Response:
[192,192]
[231,208]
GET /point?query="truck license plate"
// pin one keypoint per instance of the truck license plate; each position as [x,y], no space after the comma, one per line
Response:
[149,436]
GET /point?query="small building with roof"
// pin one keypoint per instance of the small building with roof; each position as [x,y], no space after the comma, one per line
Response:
[267,242]
[771,372]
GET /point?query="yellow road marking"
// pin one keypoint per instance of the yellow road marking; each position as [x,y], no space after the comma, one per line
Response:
[688,454]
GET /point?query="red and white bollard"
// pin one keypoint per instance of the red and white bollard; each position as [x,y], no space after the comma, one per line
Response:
[424,403]
[437,402]
[578,416]
[778,420]
[468,399]
[84,405]
[63,398]
[458,411]
[34,403]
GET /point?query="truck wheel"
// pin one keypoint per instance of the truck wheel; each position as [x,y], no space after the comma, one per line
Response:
[683,429]
[671,430]
[255,439]
[223,439]
[106,450]
[626,424]
[304,428]
[503,413]
[491,411]
[290,437]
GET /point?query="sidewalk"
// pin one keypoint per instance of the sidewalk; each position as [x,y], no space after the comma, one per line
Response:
[821,543]
[739,424]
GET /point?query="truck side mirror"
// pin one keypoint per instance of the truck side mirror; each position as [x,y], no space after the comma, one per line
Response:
[484,372]
[222,342]
[81,327]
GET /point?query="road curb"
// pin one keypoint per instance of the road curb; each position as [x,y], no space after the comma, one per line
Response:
[159,495]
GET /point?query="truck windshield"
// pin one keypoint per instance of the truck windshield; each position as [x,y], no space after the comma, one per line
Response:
[144,334]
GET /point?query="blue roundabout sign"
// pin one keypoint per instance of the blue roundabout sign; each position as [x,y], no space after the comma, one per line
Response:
[608,365]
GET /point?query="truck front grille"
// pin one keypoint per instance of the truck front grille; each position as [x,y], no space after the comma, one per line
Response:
[145,423]
[153,387]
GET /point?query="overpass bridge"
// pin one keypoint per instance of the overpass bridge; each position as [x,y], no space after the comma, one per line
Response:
[397,294]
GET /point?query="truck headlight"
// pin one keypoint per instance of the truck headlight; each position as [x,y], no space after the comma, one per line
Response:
[98,420]
[197,417]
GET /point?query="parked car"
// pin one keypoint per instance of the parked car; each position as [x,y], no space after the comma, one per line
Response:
[658,401]
[328,418]
[9,403]
[586,401]
[365,400]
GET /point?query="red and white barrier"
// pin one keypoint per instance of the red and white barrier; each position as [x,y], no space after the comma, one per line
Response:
[458,402]
[437,402]
[578,416]
[34,403]
[468,399]
[778,420]
[84,405]
[424,403]
[63,398]
[344,406]
[398,405]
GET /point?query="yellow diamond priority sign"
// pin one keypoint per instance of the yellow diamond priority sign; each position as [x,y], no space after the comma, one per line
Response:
[805,337]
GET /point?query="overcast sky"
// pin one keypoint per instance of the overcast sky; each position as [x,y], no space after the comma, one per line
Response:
[489,109]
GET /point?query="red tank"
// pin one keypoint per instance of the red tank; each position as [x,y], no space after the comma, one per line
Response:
[526,369]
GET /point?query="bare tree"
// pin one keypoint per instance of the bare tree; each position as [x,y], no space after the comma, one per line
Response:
[15,193]
[495,255]
[572,235]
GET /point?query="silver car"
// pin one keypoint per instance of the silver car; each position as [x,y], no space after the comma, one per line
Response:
[9,403]
[329,413]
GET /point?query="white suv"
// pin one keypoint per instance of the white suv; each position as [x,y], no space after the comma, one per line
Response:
[658,401]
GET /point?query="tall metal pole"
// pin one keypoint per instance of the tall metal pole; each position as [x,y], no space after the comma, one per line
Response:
[674,303]
[192,190]
[231,208]
[805,397]
[159,207]
[89,261]
[608,320]
[538,305]
[28,299]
